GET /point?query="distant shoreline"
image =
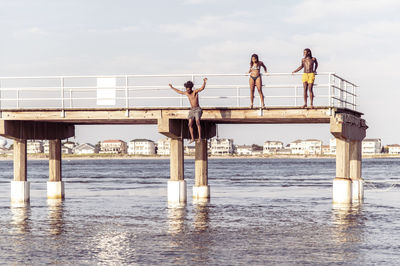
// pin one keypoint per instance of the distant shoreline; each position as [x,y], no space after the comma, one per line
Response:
[159,157]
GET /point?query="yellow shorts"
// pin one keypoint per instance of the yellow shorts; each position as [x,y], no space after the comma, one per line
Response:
[308,77]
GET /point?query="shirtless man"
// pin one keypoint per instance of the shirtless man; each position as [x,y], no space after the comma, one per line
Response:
[310,65]
[195,110]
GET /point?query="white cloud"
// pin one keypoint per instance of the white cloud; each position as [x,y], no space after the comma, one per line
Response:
[199,2]
[311,10]
[210,26]
[114,30]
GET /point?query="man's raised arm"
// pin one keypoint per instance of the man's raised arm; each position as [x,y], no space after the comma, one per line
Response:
[202,87]
[175,89]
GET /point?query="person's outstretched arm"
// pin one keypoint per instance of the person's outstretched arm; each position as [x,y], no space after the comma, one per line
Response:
[202,87]
[315,65]
[299,68]
[175,89]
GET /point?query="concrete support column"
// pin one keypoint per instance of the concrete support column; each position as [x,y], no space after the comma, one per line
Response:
[176,184]
[201,189]
[55,185]
[20,189]
[355,171]
[342,185]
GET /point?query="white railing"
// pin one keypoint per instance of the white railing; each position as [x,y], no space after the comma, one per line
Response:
[136,91]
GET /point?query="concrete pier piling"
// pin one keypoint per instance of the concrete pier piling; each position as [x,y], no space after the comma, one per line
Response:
[349,131]
[201,189]
[55,185]
[356,171]
[20,187]
[177,183]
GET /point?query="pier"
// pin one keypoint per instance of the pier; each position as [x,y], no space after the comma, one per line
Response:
[50,107]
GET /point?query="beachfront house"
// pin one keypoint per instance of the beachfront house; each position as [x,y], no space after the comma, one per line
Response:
[308,146]
[190,150]
[393,149]
[68,147]
[66,150]
[332,146]
[114,146]
[141,147]
[371,146]
[70,144]
[46,145]
[85,148]
[326,149]
[221,146]
[313,146]
[164,146]
[270,147]
[244,149]
[34,146]
[296,147]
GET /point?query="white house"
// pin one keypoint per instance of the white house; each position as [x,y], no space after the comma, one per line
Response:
[70,144]
[85,148]
[332,145]
[326,149]
[308,146]
[113,146]
[371,146]
[34,146]
[141,147]
[244,150]
[296,147]
[272,146]
[164,146]
[46,146]
[221,146]
[394,149]
[190,150]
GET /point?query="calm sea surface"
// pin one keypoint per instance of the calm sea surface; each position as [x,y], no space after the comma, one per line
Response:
[262,211]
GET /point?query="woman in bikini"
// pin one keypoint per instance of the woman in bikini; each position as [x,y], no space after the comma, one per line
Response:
[255,78]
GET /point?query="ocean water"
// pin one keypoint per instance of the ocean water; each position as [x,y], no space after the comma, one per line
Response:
[262,211]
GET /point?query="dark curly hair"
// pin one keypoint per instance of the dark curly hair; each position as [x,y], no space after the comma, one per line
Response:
[308,51]
[188,84]
[251,59]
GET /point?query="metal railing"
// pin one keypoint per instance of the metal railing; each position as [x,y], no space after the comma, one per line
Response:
[135,91]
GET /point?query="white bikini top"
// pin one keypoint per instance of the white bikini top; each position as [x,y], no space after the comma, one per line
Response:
[255,67]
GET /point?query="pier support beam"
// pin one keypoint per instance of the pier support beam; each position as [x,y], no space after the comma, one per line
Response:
[55,185]
[20,188]
[349,130]
[201,189]
[342,185]
[176,184]
[355,171]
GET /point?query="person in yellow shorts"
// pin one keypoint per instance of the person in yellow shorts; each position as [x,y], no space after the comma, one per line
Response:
[310,65]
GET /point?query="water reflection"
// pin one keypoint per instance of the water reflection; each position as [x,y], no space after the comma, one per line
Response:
[203,236]
[201,216]
[348,221]
[176,219]
[20,218]
[56,216]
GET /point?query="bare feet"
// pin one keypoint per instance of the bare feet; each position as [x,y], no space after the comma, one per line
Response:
[251,106]
[191,141]
[263,106]
[304,106]
[312,106]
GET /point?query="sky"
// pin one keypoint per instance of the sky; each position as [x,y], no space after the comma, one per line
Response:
[358,39]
